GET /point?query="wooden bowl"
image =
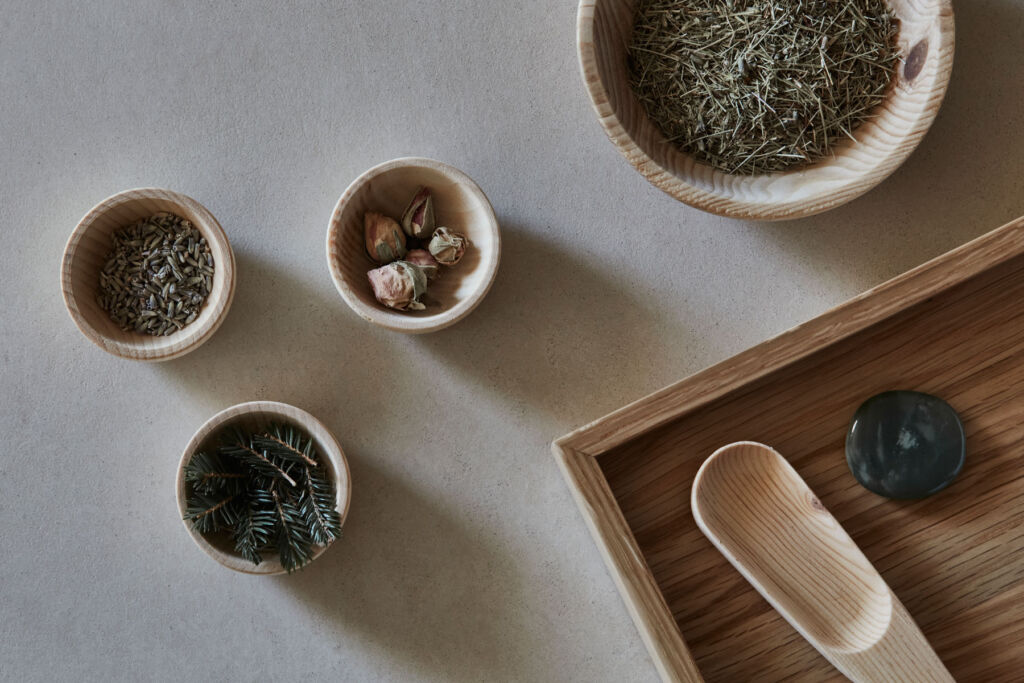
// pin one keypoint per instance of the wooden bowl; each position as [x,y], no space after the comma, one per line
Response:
[459,204]
[87,251]
[926,42]
[254,415]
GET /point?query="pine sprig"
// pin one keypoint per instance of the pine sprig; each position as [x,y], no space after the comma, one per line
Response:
[286,443]
[242,448]
[209,472]
[293,542]
[268,491]
[212,512]
[255,529]
[317,507]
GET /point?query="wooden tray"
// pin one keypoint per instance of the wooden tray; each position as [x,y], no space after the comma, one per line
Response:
[953,327]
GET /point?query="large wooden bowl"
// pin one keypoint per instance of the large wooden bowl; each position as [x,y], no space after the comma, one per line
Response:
[883,142]
[257,415]
[87,250]
[459,205]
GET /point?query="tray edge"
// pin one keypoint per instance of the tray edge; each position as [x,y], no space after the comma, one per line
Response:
[854,315]
[629,571]
[576,452]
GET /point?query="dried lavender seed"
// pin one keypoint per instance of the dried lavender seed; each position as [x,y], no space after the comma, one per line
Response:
[144,283]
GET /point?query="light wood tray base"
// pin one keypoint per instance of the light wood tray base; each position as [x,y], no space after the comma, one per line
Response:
[953,327]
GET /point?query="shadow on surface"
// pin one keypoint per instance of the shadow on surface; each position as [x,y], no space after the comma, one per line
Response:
[429,588]
[278,337]
[558,334]
[417,583]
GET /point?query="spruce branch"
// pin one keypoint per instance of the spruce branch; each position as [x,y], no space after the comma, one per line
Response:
[241,448]
[317,508]
[293,545]
[208,472]
[210,512]
[255,528]
[285,444]
[267,491]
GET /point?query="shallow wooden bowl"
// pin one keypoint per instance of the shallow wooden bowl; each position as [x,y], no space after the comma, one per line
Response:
[87,250]
[254,415]
[883,143]
[459,204]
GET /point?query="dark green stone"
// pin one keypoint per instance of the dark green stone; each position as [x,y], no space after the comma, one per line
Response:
[905,444]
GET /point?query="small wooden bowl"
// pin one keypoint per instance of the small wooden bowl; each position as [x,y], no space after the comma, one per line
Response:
[459,204]
[254,415]
[884,142]
[87,251]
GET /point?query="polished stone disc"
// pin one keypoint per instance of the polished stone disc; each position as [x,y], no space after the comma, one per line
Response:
[905,444]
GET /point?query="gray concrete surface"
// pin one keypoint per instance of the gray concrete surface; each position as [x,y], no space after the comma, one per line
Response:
[464,558]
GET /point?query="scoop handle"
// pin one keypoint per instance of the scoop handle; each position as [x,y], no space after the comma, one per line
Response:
[757,510]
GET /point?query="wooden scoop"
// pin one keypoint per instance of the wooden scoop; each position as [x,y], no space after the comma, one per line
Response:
[757,510]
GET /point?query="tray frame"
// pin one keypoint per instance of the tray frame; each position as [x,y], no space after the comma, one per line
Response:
[577,452]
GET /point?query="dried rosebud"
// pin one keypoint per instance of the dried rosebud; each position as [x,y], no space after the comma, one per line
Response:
[398,285]
[384,239]
[422,259]
[418,219]
[447,246]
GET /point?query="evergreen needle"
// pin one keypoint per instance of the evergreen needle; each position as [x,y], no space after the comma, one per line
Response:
[243,449]
[759,86]
[268,491]
[282,449]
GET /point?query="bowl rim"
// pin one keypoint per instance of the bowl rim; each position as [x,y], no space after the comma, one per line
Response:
[715,203]
[437,321]
[144,349]
[313,427]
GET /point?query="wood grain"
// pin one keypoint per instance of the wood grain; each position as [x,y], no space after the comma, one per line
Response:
[87,251]
[883,143]
[459,205]
[951,327]
[754,507]
[629,571]
[257,415]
